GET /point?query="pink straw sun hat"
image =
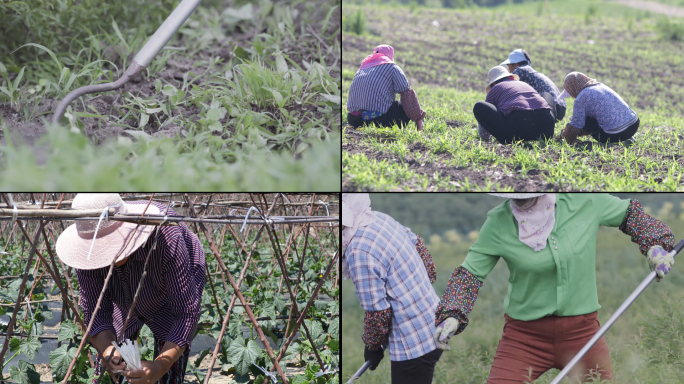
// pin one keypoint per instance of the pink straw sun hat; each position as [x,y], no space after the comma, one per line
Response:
[74,244]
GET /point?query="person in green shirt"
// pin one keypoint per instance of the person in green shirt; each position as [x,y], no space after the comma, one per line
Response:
[549,244]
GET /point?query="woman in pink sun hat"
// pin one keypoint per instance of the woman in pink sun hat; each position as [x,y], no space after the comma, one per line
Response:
[170,298]
[373,91]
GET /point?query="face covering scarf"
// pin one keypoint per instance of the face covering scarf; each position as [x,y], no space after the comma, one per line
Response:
[536,218]
[356,213]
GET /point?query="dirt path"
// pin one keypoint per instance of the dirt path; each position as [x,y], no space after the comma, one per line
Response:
[654,7]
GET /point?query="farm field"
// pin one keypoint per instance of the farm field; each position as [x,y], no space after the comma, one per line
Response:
[446,55]
[245,96]
[285,273]
[645,342]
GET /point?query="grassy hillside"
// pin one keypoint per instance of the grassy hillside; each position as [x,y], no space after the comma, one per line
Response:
[646,343]
[446,55]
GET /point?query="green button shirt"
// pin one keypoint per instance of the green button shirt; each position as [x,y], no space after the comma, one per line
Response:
[561,278]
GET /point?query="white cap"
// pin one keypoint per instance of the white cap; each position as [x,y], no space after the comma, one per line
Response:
[515,57]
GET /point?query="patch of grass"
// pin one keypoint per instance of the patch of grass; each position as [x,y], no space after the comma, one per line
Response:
[355,23]
[247,83]
[670,29]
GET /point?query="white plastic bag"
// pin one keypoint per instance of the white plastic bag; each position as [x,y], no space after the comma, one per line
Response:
[130,351]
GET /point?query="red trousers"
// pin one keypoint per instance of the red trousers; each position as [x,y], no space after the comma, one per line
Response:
[527,349]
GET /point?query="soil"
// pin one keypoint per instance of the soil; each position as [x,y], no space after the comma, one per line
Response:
[110,103]
[533,180]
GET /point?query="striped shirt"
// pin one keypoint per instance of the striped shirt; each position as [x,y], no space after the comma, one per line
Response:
[511,95]
[539,81]
[604,105]
[389,273]
[375,88]
[171,296]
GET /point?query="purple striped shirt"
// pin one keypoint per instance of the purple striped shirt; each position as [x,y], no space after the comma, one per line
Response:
[171,296]
[512,95]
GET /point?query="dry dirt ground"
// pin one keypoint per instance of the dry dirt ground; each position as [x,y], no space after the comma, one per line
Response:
[651,6]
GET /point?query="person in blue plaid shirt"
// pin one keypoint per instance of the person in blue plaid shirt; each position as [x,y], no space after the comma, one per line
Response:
[392,272]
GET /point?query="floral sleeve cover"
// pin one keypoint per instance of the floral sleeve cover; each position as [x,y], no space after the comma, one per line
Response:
[376,328]
[409,101]
[427,259]
[458,298]
[646,230]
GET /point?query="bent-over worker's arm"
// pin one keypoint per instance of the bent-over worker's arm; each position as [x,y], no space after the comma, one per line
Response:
[369,278]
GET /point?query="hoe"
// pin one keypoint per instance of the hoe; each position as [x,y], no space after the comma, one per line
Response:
[162,36]
[648,280]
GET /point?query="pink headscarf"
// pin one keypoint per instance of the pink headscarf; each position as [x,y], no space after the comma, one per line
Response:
[535,223]
[382,54]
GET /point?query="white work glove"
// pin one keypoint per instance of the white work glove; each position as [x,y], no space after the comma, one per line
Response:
[660,261]
[445,331]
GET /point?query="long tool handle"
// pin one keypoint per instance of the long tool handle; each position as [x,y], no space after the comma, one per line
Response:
[651,276]
[361,370]
[165,31]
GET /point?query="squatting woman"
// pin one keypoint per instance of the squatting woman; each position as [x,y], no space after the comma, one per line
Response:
[513,110]
[392,273]
[598,111]
[373,91]
[519,63]
[549,244]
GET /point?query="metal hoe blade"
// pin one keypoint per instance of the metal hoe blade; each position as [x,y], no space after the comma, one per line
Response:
[155,44]
[651,276]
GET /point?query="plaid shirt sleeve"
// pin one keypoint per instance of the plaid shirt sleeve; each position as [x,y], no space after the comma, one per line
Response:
[369,278]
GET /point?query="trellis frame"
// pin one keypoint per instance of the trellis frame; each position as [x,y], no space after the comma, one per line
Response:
[27,211]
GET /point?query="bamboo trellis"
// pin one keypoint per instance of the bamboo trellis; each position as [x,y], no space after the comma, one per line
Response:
[259,214]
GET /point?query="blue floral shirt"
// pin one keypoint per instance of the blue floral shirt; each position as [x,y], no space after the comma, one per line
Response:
[539,81]
[604,105]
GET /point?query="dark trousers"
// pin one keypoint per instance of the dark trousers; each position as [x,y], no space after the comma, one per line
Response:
[517,125]
[394,115]
[560,112]
[592,126]
[416,371]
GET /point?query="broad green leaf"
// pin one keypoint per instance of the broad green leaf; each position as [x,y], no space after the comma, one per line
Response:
[144,119]
[139,134]
[29,347]
[279,303]
[232,15]
[14,344]
[242,356]
[3,70]
[315,328]
[281,64]
[169,90]
[60,359]
[337,99]
[234,325]
[68,330]
[25,373]
[334,329]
